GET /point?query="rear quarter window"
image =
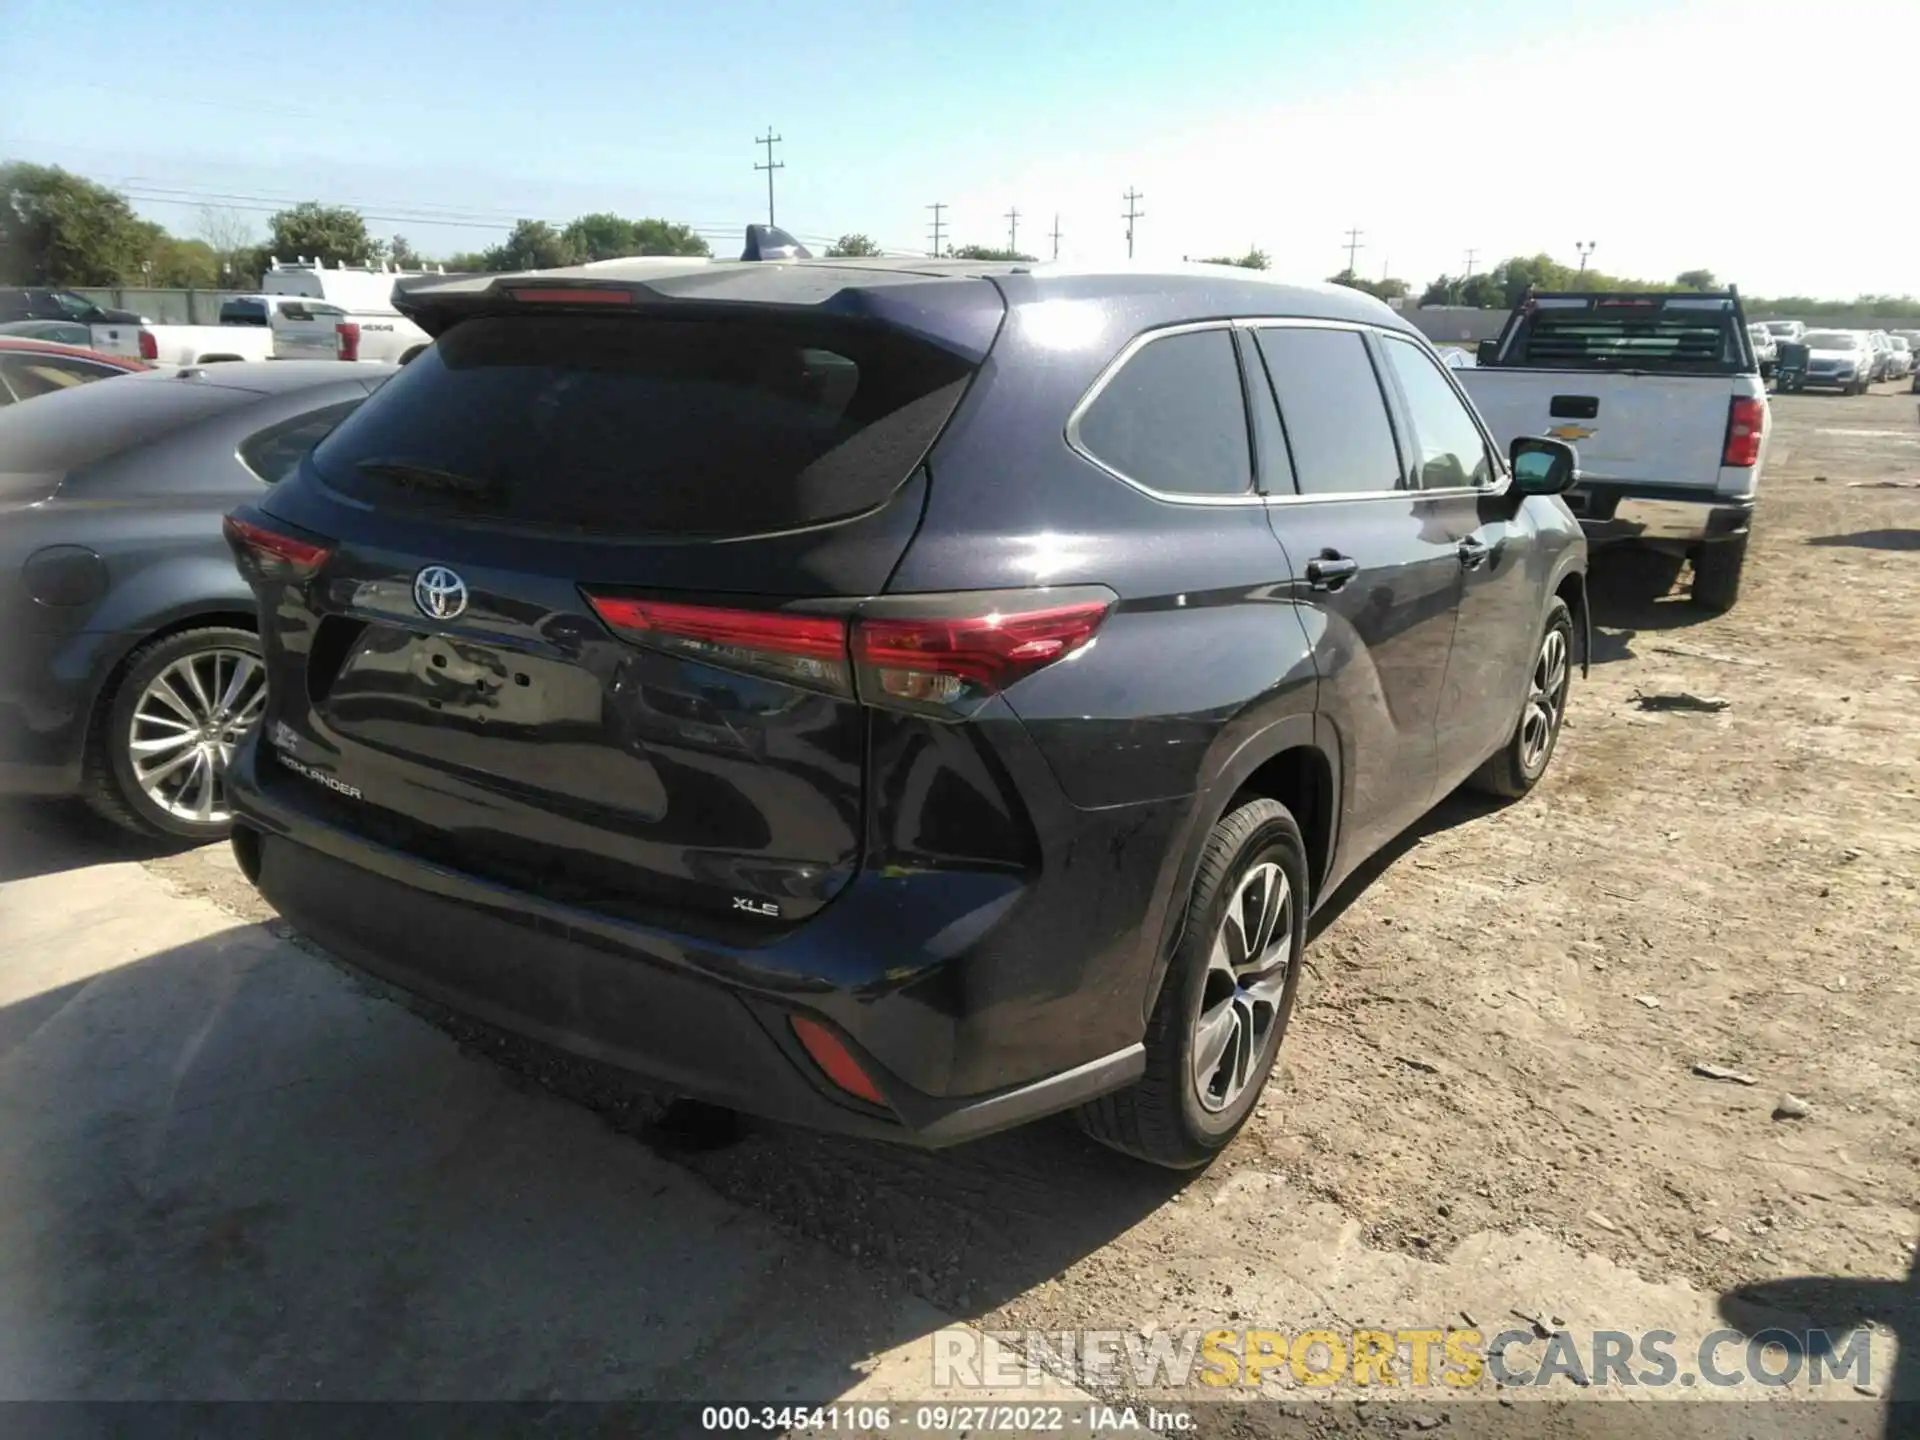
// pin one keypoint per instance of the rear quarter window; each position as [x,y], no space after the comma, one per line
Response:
[643,425]
[1173,417]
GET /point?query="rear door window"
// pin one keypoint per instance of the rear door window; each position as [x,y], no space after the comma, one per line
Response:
[243,312]
[1173,418]
[1335,415]
[648,425]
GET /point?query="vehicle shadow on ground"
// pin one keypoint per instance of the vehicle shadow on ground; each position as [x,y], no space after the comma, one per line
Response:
[234,1174]
[1872,540]
[1836,1305]
[1631,592]
[48,837]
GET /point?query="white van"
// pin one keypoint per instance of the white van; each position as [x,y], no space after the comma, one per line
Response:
[367,326]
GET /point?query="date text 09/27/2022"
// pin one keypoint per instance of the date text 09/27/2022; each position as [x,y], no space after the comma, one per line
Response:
[1014,1419]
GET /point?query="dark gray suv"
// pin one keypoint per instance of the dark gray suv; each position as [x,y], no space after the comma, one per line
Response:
[906,697]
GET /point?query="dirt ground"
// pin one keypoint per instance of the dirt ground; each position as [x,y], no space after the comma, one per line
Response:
[1505,1011]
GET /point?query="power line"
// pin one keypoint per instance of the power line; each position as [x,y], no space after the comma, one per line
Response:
[1055,233]
[1132,215]
[938,208]
[769,140]
[1013,229]
[1354,247]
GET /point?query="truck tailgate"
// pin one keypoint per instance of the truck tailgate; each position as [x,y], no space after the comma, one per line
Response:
[1658,429]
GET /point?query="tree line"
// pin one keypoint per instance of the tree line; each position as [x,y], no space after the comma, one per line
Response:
[58,228]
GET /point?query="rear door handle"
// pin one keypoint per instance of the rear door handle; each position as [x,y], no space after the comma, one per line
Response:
[1330,570]
[1473,553]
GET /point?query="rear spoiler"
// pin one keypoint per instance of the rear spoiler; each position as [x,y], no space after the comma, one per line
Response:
[433,302]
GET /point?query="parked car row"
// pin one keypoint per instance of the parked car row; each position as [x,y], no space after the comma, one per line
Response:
[1846,360]
[306,311]
[667,644]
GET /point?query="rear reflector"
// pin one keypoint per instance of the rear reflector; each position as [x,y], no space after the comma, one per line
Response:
[809,650]
[570,295]
[954,660]
[272,554]
[1746,427]
[149,347]
[347,340]
[835,1060]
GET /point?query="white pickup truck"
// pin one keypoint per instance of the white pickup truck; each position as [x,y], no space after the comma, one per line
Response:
[244,333]
[357,305]
[1662,397]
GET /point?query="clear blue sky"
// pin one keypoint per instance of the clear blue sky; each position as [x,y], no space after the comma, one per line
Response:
[1433,127]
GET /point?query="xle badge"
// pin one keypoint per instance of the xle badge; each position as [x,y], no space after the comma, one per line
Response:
[756,907]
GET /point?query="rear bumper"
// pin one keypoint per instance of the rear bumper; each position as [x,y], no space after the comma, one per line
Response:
[701,1022]
[1614,513]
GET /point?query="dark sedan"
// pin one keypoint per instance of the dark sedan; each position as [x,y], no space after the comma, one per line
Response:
[130,663]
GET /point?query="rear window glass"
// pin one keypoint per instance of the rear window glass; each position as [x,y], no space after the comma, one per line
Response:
[1672,340]
[1173,418]
[648,425]
[243,312]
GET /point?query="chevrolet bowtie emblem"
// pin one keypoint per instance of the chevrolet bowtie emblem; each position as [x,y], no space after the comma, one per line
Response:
[1571,432]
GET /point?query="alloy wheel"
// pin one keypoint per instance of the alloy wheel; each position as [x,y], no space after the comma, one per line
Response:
[1245,982]
[185,726]
[1546,699]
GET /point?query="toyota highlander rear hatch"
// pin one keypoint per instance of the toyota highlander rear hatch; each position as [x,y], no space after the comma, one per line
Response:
[566,605]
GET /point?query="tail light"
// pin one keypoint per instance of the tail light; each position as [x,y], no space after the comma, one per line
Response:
[801,649]
[264,554]
[347,340]
[940,654]
[149,347]
[1746,427]
[948,656]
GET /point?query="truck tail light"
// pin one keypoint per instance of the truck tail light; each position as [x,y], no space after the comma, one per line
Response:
[347,340]
[149,347]
[1746,427]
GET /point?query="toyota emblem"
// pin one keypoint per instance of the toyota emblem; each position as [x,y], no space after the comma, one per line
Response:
[440,594]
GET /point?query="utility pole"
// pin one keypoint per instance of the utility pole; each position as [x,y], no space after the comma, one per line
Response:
[1354,247]
[937,207]
[1013,229]
[1586,248]
[769,140]
[1133,196]
[1055,233]
[1470,255]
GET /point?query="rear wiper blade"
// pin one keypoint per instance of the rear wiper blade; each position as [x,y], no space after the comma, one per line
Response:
[411,475]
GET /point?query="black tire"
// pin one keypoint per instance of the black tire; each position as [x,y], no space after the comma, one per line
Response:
[1161,1117]
[1516,767]
[1716,574]
[108,782]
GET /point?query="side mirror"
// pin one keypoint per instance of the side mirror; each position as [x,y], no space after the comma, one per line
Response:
[1487,352]
[1543,467]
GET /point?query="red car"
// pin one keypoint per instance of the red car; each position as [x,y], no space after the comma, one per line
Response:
[29,368]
